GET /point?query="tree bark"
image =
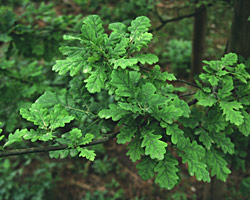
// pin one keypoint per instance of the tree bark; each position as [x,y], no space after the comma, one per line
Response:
[239,41]
[198,41]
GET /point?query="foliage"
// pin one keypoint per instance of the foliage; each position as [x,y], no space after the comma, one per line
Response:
[111,87]
[13,186]
[179,55]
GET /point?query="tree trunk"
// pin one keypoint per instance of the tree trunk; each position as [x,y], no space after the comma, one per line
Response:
[198,41]
[239,41]
[214,190]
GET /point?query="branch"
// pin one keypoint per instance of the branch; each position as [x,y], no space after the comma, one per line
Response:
[16,152]
[194,101]
[187,83]
[164,22]
[189,94]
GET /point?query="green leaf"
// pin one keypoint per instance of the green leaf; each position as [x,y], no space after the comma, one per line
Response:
[92,30]
[89,154]
[124,63]
[119,28]
[138,26]
[227,87]
[161,76]
[190,151]
[36,114]
[139,37]
[73,63]
[126,134]
[135,150]
[96,80]
[198,169]
[129,107]
[124,82]
[168,114]
[173,130]
[229,59]
[204,138]
[230,110]
[213,80]
[120,48]
[146,168]
[59,117]
[244,128]
[224,142]
[147,58]
[205,99]
[182,106]
[214,121]
[86,139]
[155,148]
[218,165]
[17,136]
[166,173]
[114,111]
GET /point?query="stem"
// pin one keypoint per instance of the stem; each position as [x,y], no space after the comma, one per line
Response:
[187,83]
[16,152]
[184,95]
[164,22]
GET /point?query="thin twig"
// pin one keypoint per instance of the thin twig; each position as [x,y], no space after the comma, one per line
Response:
[194,101]
[187,83]
[164,22]
[16,152]
[189,94]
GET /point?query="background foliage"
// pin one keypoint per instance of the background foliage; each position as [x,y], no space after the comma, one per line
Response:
[101,80]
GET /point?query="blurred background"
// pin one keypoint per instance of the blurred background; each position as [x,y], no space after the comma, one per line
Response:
[31,32]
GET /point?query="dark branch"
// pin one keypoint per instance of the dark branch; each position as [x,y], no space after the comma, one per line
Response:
[164,22]
[187,83]
[189,94]
[194,101]
[16,152]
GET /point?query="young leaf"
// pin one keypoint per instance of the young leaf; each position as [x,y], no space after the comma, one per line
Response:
[217,164]
[224,142]
[96,80]
[17,136]
[73,63]
[92,30]
[146,168]
[59,117]
[227,87]
[154,146]
[126,134]
[36,114]
[135,150]
[124,63]
[229,59]
[166,172]
[244,128]
[230,110]
[205,99]
[204,138]
[147,58]
[198,169]
[139,37]
[114,111]
[174,131]
[89,154]
[124,82]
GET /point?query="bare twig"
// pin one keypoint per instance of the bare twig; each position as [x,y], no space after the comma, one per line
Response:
[16,152]
[187,83]
[194,101]
[164,22]
[189,94]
